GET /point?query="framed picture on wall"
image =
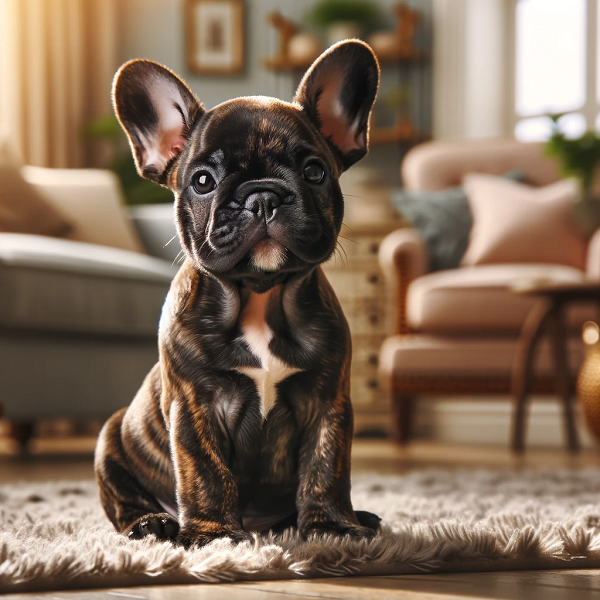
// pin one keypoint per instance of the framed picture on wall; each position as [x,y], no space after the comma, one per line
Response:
[215,36]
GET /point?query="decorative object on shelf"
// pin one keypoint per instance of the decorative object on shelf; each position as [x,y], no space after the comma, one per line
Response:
[399,122]
[399,44]
[399,48]
[214,36]
[588,381]
[303,48]
[408,20]
[579,158]
[343,19]
[396,103]
[295,50]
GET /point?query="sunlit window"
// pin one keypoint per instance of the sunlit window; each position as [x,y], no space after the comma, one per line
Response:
[550,53]
[539,129]
[550,66]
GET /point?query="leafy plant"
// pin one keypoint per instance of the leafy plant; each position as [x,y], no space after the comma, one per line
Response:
[579,157]
[135,189]
[327,12]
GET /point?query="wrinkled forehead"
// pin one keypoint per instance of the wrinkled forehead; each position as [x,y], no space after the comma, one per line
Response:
[258,127]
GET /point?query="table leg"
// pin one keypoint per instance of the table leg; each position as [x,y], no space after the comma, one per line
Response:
[563,386]
[523,367]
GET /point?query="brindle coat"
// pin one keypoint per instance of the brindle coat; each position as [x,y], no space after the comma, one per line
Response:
[245,422]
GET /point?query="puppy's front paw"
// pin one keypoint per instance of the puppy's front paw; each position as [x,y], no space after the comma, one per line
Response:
[356,532]
[194,538]
[162,525]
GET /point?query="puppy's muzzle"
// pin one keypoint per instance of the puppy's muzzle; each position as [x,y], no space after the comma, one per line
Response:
[263,204]
[263,197]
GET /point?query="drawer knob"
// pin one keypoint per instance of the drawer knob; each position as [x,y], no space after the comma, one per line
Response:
[374,248]
[373,359]
[373,319]
[372,384]
[373,278]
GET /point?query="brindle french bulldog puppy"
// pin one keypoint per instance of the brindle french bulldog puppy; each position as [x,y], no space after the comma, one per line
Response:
[245,423]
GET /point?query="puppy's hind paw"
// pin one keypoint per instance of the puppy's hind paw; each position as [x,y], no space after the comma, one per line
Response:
[161,525]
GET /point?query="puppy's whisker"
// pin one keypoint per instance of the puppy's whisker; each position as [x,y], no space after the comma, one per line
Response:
[177,258]
[170,241]
[347,239]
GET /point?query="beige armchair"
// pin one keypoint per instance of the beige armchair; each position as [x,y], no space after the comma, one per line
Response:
[457,331]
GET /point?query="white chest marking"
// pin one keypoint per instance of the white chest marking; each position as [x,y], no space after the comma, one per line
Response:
[258,335]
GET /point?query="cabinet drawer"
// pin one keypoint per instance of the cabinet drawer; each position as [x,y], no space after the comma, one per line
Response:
[359,247]
[366,390]
[365,351]
[366,316]
[367,283]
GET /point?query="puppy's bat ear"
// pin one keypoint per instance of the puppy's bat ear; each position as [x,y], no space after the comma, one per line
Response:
[157,110]
[338,92]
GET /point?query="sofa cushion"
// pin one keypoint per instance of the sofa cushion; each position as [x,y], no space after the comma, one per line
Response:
[92,200]
[478,300]
[48,284]
[443,219]
[433,356]
[23,208]
[515,223]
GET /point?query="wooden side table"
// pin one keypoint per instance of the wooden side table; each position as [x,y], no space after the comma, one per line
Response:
[547,316]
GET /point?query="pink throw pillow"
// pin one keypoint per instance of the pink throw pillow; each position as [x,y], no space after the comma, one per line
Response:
[516,223]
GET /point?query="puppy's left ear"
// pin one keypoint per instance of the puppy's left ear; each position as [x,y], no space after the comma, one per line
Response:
[157,110]
[338,92]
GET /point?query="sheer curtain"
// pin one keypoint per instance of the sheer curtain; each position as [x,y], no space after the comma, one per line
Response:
[470,59]
[57,60]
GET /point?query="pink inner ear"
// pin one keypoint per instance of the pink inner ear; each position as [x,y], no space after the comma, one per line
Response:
[162,147]
[173,142]
[334,124]
[341,134]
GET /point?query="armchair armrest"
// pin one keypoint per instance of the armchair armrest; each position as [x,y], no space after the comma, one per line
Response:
[593,256]
[402,257]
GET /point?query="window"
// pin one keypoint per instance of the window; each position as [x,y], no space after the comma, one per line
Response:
[555,44]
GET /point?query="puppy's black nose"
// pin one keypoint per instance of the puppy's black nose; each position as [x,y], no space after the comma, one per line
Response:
[263,203]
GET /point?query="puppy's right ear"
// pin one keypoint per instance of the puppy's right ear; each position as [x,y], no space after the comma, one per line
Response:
[157,110]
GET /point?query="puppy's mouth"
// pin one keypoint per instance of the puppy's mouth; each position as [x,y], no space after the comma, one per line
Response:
[268,255]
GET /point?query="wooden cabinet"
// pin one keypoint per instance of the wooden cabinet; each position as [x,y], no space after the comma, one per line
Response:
[366,299]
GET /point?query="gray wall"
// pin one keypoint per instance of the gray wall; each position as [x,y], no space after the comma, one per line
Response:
[154,29]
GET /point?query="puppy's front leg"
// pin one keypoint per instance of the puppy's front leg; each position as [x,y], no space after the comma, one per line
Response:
[323,498]
[207,496]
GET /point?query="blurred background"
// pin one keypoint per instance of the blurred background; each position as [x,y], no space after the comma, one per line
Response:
[438,271]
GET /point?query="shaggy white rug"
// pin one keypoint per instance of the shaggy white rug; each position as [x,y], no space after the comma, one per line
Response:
[55,536]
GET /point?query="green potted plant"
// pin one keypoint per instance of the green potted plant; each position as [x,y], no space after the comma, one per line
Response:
[344,19]
[579,158]
[135,189]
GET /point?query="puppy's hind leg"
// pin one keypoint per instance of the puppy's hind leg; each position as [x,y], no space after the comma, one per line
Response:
[130,508]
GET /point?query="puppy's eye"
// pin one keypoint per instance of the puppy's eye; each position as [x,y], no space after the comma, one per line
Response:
[203,182]
[313,172]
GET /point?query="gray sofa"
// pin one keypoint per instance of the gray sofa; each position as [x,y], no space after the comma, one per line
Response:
[79,316]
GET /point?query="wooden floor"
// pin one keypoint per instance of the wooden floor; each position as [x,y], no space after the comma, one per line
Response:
[368,456]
